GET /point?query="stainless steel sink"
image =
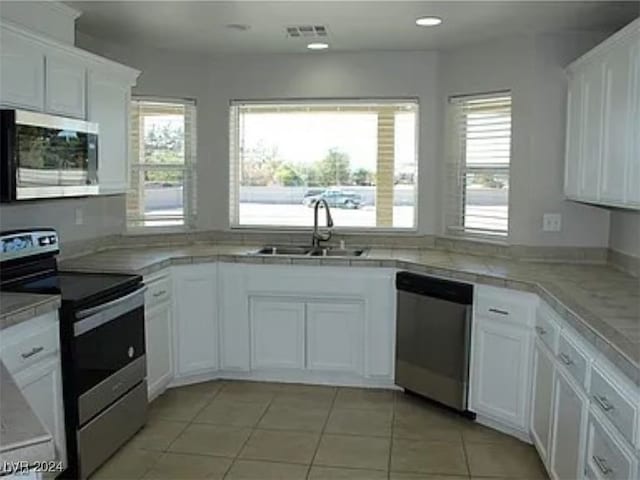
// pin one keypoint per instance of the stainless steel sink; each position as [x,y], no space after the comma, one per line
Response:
[284,250]
[337,252]
[275,250]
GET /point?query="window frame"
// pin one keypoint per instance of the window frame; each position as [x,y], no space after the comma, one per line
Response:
[188,169]
[457,171]
[234,164]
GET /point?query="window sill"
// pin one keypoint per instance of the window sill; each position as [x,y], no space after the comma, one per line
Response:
[156,230]
[269,229]
[502,241]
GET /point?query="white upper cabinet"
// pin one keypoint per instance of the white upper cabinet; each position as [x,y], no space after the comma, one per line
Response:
[65,90]
[603,123]
[109,99]
[21,72]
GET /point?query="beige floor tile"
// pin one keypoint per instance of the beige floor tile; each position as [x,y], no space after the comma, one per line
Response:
[280,446]
[294,418]
[204,388]
[428,457]
[177,405]
[497,460]
[252,392]
[309,396]
[476,433]
[417,427]
[157,435]
[237,414]
[360,422]
[337,473]
[211,440]
[259,470]
[179,466]
[353,451]
[417,410]
[364,398]
[127,464]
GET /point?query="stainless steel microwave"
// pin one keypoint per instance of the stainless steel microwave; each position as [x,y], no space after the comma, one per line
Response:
[46,156]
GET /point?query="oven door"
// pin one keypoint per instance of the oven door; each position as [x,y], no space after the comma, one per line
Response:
[49,156]
[109,352]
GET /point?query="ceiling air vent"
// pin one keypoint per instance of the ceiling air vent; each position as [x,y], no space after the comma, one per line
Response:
[306,31]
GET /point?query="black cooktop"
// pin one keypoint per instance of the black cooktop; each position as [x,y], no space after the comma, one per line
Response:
[81,289]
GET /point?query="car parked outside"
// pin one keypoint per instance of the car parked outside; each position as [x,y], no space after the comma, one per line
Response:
[335,198]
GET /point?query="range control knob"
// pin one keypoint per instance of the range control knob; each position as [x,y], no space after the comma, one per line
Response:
[130,352]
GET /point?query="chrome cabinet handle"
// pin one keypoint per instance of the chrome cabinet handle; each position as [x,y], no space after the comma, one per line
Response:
[601,464]
[31,353]
[566,359]
[604,403]
[541,331]
[501,312]
[160,293]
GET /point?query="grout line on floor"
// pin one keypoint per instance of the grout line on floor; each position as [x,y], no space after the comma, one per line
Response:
[324,427]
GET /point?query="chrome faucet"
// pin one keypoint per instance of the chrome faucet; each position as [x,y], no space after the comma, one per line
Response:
[317,236]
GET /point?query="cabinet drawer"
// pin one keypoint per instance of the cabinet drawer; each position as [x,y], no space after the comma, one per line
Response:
[158,290]
[504,305]
[28,342]
[573,359]
[616,406]
[607,457]
[546,328]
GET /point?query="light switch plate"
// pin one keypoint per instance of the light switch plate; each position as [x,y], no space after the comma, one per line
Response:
[551,222]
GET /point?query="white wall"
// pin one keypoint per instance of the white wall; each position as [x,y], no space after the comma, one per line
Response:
[533,69]
[625,232]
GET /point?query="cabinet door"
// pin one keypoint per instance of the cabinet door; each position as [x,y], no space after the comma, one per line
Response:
[592,132]
[617,117]
[235,351]
[569,429]
[277,333]
[109,107]
[501,372]
[633,129]
[66,81]
[22,72]
[158,329]
[574,136]
[195,319]
[542,399]
[41,385]
[334,337]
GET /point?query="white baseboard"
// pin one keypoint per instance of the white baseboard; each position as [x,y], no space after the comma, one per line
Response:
[507,430]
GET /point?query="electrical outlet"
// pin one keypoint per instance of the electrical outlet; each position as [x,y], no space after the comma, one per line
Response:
[551,222]
[79,216]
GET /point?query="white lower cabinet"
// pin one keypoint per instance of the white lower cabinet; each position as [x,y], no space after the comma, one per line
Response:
[41,385]
[570,406]
[335,336]
[195,319]
[607,456]
[158,331]
[500,372]
[277,333]
[542,399]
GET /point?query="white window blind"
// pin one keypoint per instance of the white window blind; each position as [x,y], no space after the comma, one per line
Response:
[358,155]
[163,158]
[478,160]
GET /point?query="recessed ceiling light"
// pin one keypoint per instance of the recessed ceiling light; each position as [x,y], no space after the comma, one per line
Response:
[318,46]
[428,21]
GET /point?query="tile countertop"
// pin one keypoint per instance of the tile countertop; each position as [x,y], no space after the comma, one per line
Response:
[602,303]
[18,307]
[22,436]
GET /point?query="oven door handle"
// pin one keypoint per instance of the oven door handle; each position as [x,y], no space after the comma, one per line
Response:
[94,317]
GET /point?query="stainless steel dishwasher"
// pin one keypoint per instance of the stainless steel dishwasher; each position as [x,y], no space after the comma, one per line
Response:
[433,338]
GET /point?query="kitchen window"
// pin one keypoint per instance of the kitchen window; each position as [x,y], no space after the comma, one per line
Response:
[359,156]
[162,177]
[478,165]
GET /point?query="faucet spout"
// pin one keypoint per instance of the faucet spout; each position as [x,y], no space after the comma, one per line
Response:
[317,236]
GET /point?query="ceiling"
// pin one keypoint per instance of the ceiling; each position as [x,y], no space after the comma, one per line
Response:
[201,26]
